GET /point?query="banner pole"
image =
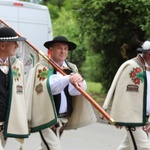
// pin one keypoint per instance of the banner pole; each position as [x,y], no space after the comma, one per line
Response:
[89,98]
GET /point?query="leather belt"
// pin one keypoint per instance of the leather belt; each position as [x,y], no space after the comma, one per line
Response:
[62,115]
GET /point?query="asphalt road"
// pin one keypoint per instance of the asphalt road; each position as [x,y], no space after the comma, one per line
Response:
[98,136]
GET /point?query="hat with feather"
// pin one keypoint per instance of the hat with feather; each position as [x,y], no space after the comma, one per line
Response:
[144,46]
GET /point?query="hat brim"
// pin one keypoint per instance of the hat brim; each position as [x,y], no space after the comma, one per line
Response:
[17,39]
[71,45]
[142,50]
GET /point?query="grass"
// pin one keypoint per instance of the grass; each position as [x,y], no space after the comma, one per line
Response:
[95,90]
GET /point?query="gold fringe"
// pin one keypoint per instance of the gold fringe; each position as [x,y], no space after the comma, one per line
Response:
[22,142]
[21,148]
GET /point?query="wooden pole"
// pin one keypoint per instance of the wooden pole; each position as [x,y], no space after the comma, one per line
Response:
[90,99]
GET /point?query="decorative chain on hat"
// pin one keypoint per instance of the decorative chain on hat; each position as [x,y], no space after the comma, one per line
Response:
[9,34]
[8,38]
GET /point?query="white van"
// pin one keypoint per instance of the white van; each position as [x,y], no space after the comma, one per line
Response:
[29,19]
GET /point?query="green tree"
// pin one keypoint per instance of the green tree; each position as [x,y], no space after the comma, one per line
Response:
[108,27]
[58,3]
[64,23]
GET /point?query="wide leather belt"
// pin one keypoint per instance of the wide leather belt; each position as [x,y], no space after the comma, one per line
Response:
[62,115]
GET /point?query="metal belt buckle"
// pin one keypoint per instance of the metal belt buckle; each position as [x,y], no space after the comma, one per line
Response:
[61,115]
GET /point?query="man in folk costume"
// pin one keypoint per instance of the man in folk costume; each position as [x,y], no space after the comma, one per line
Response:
[54,103]
[130,92]
[13,119]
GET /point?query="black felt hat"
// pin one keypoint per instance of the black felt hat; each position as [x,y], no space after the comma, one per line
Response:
[61,39]
[9,34]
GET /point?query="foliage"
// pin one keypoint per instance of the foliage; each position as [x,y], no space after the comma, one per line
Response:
[58,3]
[108,26]
[95,90]
[102,30]
[94,87]
[90,68]
[63,23]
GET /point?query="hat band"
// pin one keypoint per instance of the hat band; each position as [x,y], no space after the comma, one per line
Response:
[8,38]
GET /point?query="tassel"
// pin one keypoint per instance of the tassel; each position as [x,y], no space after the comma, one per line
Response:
[21,148]
[21,141]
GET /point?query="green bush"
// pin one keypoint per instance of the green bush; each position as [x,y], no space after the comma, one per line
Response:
[95,90]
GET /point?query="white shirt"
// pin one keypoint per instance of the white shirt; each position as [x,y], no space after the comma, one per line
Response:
[4,68]
[57,83]
[148,87]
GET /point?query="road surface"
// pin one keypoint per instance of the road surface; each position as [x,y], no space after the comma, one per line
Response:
[98,136]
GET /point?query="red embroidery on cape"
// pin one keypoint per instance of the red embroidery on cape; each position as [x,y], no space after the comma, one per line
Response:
[136,75]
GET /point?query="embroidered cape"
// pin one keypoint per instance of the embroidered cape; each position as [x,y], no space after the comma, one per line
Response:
[41,109]
[16,118]
[128,94]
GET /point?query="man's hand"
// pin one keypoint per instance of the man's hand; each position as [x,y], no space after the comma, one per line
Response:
[75,78]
